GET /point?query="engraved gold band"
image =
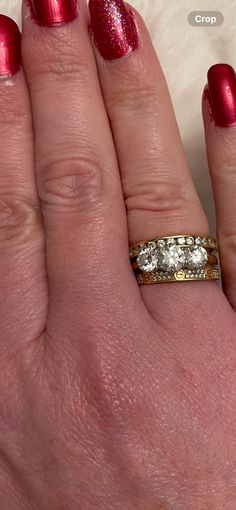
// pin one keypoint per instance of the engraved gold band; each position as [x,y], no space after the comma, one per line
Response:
[175,258]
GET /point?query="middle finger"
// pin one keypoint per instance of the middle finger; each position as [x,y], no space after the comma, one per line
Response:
[76,165]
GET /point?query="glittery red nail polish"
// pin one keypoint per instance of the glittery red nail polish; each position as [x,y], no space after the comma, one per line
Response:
[113,27]
[222,94]
[53,12]
[10,46]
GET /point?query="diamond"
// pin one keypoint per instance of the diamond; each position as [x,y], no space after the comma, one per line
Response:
[172,259]
[136,250]
[198,240]
[189,240]
[170,242]
[196,257]
[181,240]
[147,259]
[152,245]
[161,243]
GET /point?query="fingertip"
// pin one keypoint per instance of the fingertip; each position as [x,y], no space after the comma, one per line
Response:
[222,94]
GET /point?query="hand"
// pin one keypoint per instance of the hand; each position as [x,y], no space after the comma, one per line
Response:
[113,396]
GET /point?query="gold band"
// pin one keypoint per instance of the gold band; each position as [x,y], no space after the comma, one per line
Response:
[179,276]
[175,258]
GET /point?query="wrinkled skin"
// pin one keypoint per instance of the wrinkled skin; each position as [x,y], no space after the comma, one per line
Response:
[112,397]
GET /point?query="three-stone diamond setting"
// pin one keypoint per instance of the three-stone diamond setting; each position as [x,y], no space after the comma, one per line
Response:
[172,255]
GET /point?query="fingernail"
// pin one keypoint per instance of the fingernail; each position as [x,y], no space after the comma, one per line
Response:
[10,46]
[207,101]
[53,12]
[222,94]
[113,27]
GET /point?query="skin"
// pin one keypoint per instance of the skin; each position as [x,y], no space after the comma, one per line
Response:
[112,396]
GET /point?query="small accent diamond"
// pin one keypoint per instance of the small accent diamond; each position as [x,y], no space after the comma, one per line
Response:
[161,243]
[190,240]
[181,240]
[147,259]
[152,245]
[198,240]
[170,242]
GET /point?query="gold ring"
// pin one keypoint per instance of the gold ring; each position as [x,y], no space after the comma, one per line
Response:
[175,258]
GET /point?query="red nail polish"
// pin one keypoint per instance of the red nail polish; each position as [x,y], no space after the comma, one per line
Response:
[222,94]
[53,12]
[10,46]
[207,100]
[113,27]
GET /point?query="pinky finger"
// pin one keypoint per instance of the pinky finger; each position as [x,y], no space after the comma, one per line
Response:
[219,114]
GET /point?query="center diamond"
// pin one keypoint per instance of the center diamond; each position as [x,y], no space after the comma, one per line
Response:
[172,259]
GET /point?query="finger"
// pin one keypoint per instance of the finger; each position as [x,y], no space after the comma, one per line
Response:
[219,112]
[22,264]
[158,189]
[77,170]
[159,192]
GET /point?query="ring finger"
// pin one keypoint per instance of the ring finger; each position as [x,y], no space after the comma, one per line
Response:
[159,193]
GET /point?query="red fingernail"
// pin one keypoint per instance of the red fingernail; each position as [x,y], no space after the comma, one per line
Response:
[113,28]
[53,12]
[10,46]
[222,94]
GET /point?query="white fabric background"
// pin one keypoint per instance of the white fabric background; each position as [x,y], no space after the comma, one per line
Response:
[186,53]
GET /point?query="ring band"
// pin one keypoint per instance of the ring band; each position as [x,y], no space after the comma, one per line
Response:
[175,258]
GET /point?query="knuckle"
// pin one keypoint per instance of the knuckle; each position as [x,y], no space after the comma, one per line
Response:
[225,169]
[162,197]
[134,96]
[17,219]
[64,69]
[13,109]
[71,184]
[58,57]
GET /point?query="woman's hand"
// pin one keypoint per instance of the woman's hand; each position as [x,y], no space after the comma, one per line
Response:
[112,396]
